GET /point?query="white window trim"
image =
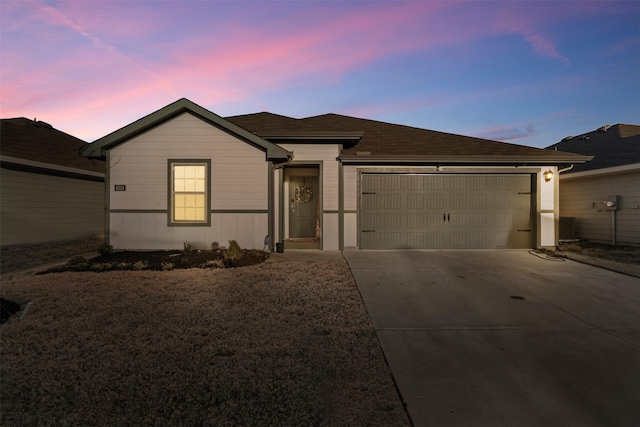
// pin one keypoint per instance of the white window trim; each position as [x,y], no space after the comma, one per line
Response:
[170,199]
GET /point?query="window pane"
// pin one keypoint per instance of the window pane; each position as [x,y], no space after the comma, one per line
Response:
[189,193]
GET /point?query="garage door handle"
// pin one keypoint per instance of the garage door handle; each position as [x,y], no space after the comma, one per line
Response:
[446,218]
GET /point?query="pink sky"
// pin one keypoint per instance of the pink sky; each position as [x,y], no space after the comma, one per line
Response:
[89,68]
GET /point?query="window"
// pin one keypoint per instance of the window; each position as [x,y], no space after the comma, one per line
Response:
[189,192]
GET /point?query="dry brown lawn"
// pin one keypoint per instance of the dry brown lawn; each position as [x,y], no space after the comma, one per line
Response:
[286,343]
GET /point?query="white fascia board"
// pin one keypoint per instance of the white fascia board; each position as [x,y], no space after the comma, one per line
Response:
[481,160]
[604,171]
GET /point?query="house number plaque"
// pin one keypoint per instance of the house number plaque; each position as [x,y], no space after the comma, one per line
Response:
[120,188]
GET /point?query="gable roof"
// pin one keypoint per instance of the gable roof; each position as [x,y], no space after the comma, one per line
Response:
[38,141]
[99,147]
[610,146]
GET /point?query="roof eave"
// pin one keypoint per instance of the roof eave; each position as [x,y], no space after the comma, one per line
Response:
[464,160]
[348,139]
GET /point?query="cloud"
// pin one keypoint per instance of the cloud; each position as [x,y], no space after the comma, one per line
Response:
[334,44]
[508,133]
[513,21]
[95,66]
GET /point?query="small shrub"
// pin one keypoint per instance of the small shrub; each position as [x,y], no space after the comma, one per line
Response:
[234,250]
[122,266]
[213,263]
[188,249]
[140,265]
[167,266]
[101,266]
[104,249]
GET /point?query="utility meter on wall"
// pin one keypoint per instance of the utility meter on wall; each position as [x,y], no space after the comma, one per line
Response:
[611,202]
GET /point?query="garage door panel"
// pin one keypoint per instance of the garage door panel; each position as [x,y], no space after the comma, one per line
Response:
[499,239]
[389,240]
[477,201]
[468,220]
[424,220]
[420,239]
[445,211]
[382,201]
[373,182]
[386,221]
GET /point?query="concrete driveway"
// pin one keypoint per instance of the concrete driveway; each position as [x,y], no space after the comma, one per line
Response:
[505,338]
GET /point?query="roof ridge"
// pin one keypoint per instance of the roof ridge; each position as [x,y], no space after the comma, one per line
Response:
[261,113]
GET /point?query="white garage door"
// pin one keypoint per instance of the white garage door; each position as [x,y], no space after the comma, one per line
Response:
[429,211]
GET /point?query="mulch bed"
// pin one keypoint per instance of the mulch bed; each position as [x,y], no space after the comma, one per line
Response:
[161,260]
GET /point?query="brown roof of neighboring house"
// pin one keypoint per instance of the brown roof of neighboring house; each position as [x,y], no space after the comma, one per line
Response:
[387,142]
[38,141]
[610,146]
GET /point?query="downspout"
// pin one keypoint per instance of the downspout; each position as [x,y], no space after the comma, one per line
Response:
[107,198]
[565,169]
[270,207]
[613,227]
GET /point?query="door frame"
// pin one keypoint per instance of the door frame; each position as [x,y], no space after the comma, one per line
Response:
[284,203]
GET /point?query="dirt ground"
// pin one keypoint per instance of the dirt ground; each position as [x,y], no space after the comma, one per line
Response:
[278,343]
[621,259]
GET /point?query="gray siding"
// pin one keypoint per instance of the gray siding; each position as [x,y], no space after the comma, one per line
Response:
[582,198]
[239,188]
[38,208]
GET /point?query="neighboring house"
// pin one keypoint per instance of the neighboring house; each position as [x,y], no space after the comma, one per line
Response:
[184,174]
[601,199]
[48,190]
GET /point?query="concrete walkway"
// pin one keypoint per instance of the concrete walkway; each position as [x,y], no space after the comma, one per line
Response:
[505,338]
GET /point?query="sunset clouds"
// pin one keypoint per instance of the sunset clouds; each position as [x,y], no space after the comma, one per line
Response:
[492,68]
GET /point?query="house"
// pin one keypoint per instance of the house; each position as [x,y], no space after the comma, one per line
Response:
[332,182]
[48,190]
[600,200]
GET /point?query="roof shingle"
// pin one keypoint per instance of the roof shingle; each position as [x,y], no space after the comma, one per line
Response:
[38,141]
[610,146]
[388,141]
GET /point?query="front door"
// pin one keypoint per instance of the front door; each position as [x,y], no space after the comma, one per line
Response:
[303,207]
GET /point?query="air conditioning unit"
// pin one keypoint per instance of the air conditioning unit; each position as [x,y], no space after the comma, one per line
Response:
[567,228]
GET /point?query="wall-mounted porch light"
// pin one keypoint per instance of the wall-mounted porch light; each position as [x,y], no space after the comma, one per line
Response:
[548,175]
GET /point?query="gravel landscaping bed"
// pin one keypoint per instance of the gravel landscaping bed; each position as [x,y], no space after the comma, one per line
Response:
[286,343]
